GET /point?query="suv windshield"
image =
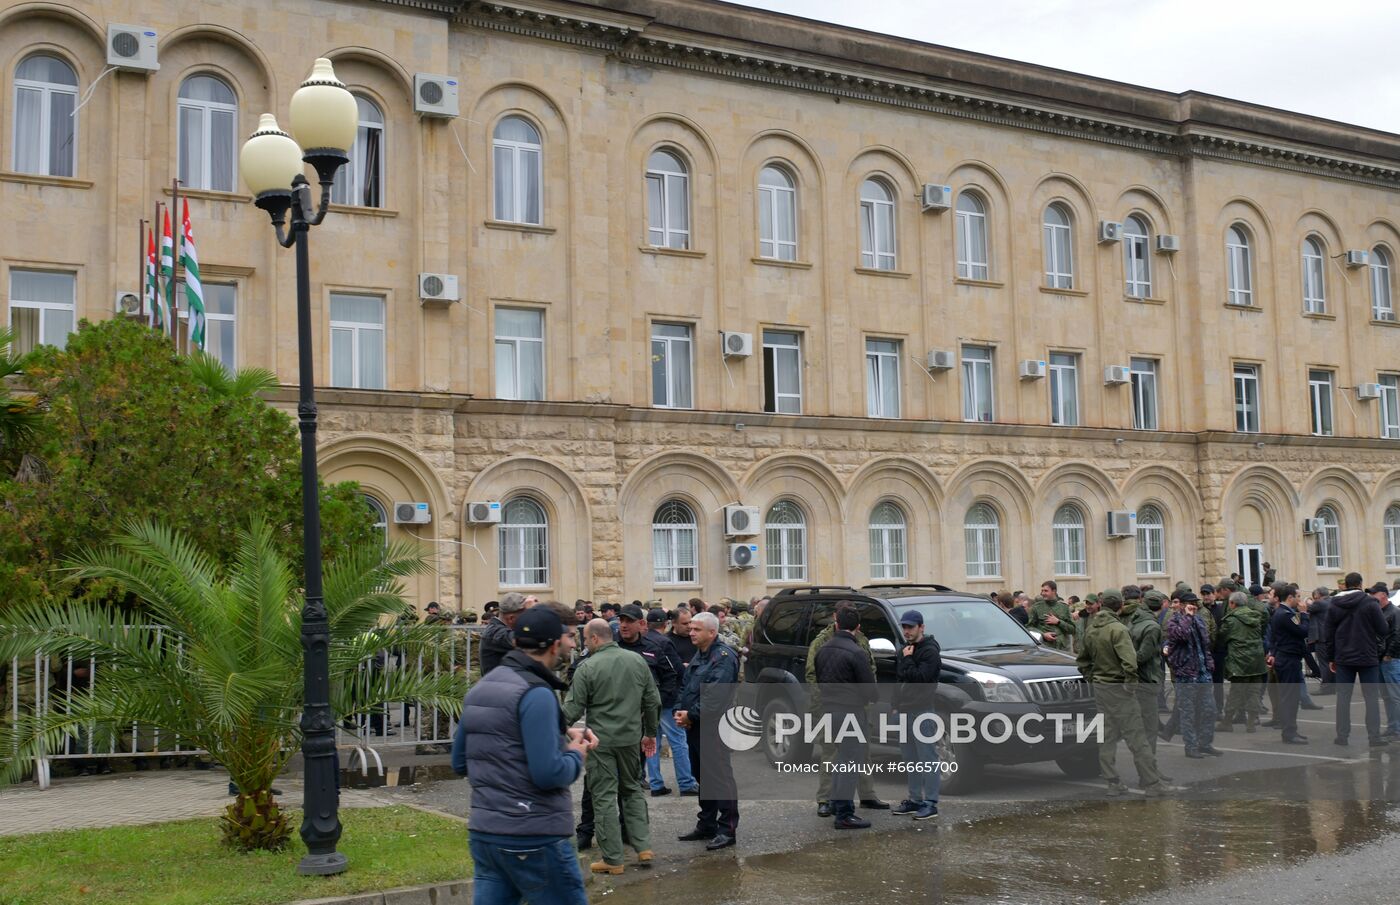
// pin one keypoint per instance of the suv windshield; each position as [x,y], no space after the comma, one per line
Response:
[968,624]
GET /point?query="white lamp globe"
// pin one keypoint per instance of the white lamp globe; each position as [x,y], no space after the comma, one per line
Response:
[269,159]
[324,114]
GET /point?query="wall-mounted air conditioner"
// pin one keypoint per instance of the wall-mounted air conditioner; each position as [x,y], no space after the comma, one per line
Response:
[936,197]
[1110,231]
[484,512]
[1122,523]
[132,48]
[434,95]
[740,521]
[1031,369]
[736,345]
[412,514]
[941,360]
[439,288]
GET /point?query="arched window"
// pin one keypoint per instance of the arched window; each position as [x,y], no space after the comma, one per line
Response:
[673,544]
[1068,536]
[877,239]
[1059,248]
[522,541]
[982,536]
[1381,306]
[970,227]
[46,95]
[777,214]
[208,126]
[1392,536]
[1329,539]
[1151,541]
[1239,272]
[668,201]
[361,181]
[515,149]
[1314,282]
[379,516]
[888,548]
[786,536]
[1137,260]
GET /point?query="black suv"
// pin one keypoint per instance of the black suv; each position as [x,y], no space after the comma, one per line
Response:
[990,664]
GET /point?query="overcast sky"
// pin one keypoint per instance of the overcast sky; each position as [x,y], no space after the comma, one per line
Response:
[1335,59]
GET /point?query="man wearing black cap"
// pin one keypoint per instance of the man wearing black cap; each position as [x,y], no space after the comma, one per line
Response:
[1354,630]
[522,757]
[917,670]
[1288,633]
[675,735]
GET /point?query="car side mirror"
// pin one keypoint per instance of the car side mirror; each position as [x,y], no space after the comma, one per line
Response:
[881,646]
[1039,638]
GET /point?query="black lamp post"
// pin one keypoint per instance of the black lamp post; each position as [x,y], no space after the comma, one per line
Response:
[324,117]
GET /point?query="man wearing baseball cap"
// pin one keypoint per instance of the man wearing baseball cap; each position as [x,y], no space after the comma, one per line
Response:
[675,736]
[917,669]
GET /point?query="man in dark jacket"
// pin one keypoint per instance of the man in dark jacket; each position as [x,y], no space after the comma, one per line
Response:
[917,670]
[496,640]
[1390,659]
[1192,662]
[1288,635]
[848,687]
[1355,628]
[1146,636]
[699,710]
[642,634]
[1317,637]
[679,635]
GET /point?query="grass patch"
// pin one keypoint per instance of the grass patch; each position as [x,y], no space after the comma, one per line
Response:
[183,863]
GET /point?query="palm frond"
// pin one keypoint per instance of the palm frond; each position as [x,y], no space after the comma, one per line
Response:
[211,374]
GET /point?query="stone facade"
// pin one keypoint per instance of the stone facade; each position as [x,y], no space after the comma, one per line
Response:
[728,92]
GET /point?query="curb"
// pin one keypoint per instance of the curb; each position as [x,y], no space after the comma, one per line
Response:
[455,892]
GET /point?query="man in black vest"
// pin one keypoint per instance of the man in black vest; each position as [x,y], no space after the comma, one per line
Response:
[521,758]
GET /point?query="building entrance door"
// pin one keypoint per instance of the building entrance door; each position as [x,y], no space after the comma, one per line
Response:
[1249,559]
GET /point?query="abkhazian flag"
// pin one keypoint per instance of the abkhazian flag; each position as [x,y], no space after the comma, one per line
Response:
[152,293]
[194,290]
[167,269]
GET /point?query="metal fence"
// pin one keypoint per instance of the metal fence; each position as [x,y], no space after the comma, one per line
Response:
[42,685]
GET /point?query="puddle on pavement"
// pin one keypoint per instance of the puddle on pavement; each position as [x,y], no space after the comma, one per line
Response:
[1086,852]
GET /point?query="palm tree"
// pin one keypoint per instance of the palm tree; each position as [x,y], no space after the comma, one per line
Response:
[211,374]
[19,418]
[219,665]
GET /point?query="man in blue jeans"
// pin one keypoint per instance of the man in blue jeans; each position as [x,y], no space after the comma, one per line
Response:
[521,758]
[917,668]
[670,691]
[1390,660]
[1355,629]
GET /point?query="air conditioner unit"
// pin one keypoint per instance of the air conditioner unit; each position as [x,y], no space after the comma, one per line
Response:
[743,556]
[132,47]
[412,514]
[1110,231]
[438,287]
[484,513]
[740,521]
[1122,523]
[1368,391]
[434,95]
[936,197]
[1358,258]
[130,304]
[737,345]
[1313,525]
[941,360]
[1032,369]
[1385,315]
[1113,375]
[1168,244]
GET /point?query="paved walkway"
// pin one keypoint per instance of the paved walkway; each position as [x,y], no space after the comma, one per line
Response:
[135,798]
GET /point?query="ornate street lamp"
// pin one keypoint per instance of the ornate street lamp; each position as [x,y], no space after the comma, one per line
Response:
[324,120]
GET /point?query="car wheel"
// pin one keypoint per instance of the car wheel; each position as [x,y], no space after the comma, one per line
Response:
[791,750]
[961,773]
[1084,765]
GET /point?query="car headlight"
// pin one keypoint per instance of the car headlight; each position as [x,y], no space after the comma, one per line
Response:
[998,689]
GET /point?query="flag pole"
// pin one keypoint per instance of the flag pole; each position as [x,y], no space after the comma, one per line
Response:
[177,232]
[155,278]
[141,283]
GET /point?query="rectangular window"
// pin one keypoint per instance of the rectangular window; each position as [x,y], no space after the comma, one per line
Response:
[357,341]
[882,378]
[1064,389]
[977,384]
[519,353]
[1320,395]
[42,304]
[782,372]
[1144,378]
[1390,406]
[220,315]
[670,366]
[1247,398]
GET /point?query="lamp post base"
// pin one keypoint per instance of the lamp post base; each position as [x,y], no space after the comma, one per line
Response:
[322,865]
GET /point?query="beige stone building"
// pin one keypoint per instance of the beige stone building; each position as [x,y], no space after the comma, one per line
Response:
[978,305]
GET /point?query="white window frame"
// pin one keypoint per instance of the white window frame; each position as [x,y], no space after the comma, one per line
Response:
[1067,533]
[1064,389]
[1137,258]
[775,200]
[1320,393]
[781,351]
[1314,276]
[786,544]
[515,343]
[362,332]
[511,546]
[982,540]
[969,225]
[207,109]
[1382,300]
[672,521]
[1328,541]
[1058,242]
[381,517]
[1391,529]
[1239,266]
[662,185]
[1389,405]
[1151,536]
[1142,373]
[882,373]
[350,188]
[1246,383]
[520,153]
[889,542]
[977,371]
[43,308]
[879,229]
[213,317]
[46,90]
[678,380]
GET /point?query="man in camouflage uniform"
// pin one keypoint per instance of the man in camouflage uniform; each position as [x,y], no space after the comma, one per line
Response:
[1146,636]
[1050,616]
[825,752]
